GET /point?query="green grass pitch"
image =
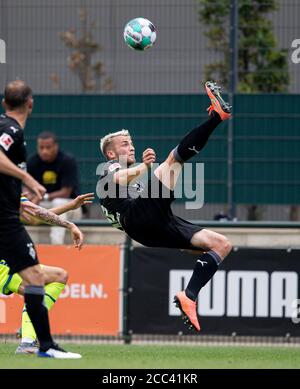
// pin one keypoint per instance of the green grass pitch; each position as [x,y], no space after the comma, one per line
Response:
[111,356]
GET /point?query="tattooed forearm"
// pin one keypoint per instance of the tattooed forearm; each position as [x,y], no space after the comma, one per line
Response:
[61,209]
[51,218]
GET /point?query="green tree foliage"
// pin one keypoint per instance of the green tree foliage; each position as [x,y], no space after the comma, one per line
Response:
[262,66]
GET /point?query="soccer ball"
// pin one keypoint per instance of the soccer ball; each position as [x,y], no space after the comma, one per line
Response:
[139,34]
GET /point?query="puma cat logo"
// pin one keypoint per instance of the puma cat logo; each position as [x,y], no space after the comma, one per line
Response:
[202,262]
[194,149]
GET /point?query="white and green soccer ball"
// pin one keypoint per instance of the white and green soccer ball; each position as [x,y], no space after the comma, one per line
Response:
[139,34]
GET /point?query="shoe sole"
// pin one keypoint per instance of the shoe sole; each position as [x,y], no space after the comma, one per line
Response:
[184,316]
[60,358]
[41,354]
[213,91]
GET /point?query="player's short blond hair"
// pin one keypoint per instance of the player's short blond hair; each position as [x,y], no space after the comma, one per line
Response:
[107,139]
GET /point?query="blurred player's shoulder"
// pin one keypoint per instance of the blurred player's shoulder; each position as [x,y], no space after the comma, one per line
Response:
[109,167]
[10,132]
[9,124]
[113,165]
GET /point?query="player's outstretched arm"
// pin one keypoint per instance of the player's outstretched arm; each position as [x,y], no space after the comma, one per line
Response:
[51,218]
[86,198]
[124,176]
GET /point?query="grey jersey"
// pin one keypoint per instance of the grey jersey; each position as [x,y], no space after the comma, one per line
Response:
[114,198]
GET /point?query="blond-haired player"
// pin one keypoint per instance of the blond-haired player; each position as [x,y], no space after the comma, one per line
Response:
[145,213]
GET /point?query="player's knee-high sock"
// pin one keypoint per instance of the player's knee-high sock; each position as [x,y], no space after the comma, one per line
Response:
[195,140]
[34,296]
[52,292]
[204,269]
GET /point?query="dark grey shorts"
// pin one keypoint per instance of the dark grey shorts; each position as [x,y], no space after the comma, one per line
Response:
[151,222]
[16,246]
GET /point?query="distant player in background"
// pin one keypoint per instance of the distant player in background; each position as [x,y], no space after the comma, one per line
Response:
[150,221]
[16,245]
[55,277]
[57,171]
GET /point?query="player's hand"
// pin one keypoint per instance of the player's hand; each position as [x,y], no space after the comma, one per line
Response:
[31,197]
[77,236]
[28,211]
[34,186]
[26,216]
[35,200]
[80,200]
[29,207]
[149,157]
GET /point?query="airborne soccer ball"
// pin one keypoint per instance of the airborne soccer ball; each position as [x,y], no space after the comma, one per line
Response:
[139,34]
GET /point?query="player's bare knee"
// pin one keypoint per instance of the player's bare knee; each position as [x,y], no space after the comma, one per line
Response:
[223,246]
[39,278]
[63,276]
[34,276]
[227,246]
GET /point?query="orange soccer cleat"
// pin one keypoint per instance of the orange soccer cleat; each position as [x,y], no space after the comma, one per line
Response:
[217,103]
[188,308]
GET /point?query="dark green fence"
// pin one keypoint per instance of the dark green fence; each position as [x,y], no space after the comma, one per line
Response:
[266,133]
